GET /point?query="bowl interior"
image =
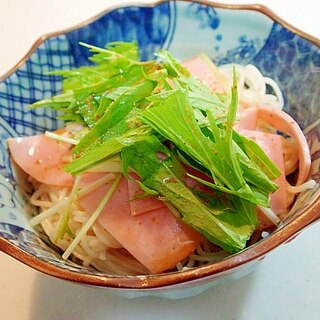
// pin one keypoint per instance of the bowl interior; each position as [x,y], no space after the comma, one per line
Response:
[186,29]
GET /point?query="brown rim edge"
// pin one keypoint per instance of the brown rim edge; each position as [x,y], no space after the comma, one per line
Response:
[311,215]
[258,251]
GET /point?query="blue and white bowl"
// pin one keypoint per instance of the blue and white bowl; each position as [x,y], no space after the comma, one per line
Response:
[226,33]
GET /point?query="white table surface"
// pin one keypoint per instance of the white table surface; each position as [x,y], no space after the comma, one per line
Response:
[285,286]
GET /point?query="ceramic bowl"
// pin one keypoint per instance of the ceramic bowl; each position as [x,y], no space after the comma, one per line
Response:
[226,33]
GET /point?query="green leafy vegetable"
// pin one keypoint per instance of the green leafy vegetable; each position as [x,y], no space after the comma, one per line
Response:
[115,113]
[161,119]
[229,223]
[175,120]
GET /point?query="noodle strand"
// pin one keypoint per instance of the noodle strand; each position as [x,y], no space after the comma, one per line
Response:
[92,219]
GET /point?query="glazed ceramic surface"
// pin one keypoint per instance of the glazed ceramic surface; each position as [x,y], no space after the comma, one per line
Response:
[245,35]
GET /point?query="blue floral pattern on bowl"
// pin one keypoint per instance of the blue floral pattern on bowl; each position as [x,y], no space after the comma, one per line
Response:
[184,28]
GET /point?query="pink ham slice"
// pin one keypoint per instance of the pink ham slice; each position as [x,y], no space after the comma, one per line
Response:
[285,123]
[247,120]
[247,125]
[272,146]
[42,158]
[138,200]
[205,70]
[157,238]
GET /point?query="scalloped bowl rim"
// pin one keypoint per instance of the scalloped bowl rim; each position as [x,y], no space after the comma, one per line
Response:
[160,282]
